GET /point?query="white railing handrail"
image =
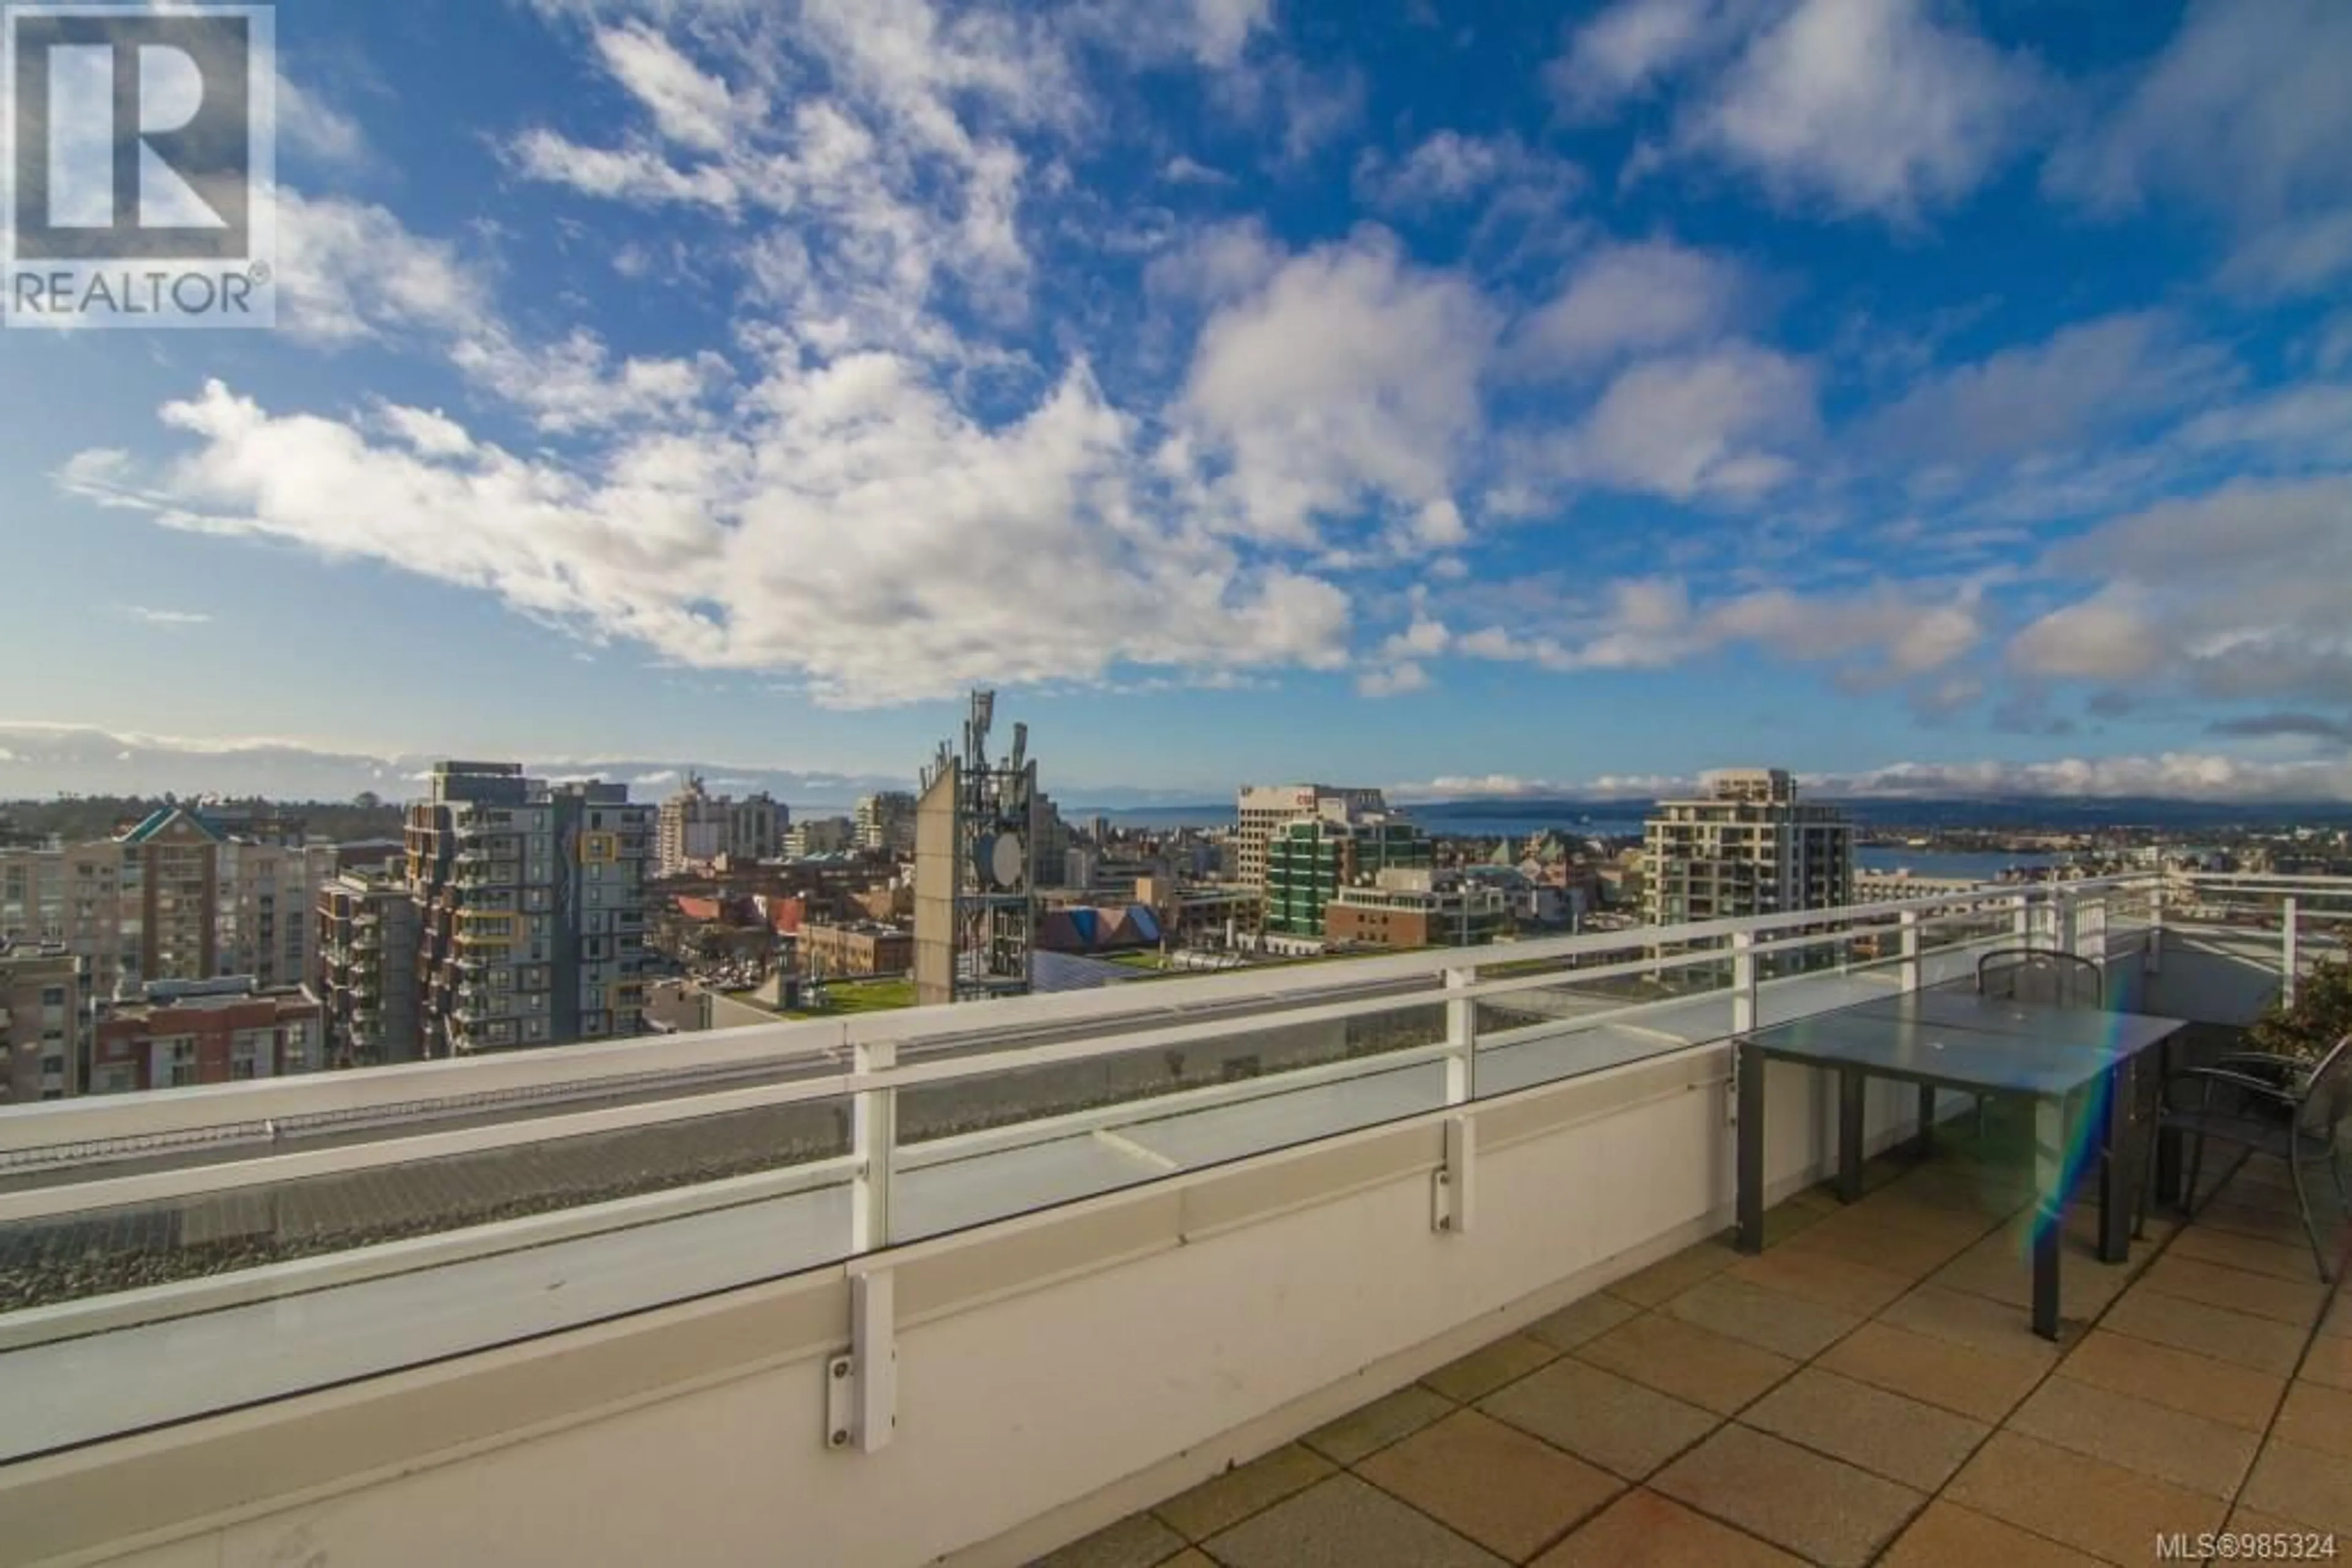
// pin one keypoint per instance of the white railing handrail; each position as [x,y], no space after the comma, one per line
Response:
[1122,1019]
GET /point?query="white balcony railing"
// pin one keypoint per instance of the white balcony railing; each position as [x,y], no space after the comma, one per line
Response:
[701,1164]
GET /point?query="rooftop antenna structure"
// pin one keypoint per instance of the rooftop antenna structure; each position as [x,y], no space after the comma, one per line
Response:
[976,918]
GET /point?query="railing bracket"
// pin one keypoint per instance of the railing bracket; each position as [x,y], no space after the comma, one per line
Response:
[861,1386]
[1450,1188]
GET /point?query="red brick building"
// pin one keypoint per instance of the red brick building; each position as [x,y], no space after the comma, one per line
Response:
[206,1031]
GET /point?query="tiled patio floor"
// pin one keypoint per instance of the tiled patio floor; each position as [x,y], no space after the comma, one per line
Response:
[1866,1391]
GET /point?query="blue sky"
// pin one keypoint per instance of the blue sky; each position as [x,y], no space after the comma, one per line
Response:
[1919,394]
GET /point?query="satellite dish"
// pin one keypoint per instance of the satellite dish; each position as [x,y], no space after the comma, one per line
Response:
[1008,860]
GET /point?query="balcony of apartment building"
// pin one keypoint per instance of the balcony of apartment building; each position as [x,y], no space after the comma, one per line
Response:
[1411,1259]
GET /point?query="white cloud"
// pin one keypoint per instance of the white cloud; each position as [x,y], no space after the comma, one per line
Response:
[1871,106]
[1716,425]
[154,617]
[689,106]
[1395,680]
[2084,379]
[2293,426]
[1875,107]
[1629,298]
[2245,114]
[1181,170]
[349,271]
[308,122]
[2236,593]
[1351,379]
[851,527]
[1631,48]
[1448,169]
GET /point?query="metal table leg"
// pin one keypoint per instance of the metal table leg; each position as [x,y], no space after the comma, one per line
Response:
[2117,1183]
[2049,1208]
[1926,1143]
[1851,1088]
[1747,1070]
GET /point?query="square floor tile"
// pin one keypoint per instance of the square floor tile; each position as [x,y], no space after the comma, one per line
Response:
[2231,1250]
[1883,1433]
[2170,1444]
[1489,1367]
[1372,1427]
[1822,1278]
[1769,1320]
[1658,1532]
[1950,1536]
[1242,1490]
[1942,1372]
[1670,1277]
[1612,1421]
[2311,1487]
[2316,1416]
[1344,1522]
[2217,1390]
[1582,1320]
[2175,1320]
[2328,1362]
[2295,1302]
[1979,1322]
[1493,1483]
[1819,1508]
[1688,1362]
[1999,1266]
[1138,1541]
[1888,1243]
[2088,1504]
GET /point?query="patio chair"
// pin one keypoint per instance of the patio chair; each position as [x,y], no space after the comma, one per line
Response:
[2042,975]
[2267,1105]
[2038,974]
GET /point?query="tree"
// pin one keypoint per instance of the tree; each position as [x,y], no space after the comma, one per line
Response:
[2320,1015]
[367,800]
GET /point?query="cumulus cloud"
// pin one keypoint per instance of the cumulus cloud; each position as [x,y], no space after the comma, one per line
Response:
[1627,298]
[1348,380]
[1882,108]
[2085,380]
[2243,114]
[2235,594]
[1717,425]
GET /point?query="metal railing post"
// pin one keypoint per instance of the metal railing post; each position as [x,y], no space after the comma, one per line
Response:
[2065,920]
[2288,954]
[1462,1035]
[873,1144]
[1909,920]
[2154,959]
[1743,981]
[2021,918]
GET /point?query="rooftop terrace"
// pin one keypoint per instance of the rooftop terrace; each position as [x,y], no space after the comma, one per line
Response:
[1410,1254]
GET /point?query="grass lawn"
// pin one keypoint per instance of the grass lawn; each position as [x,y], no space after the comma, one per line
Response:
[844,997]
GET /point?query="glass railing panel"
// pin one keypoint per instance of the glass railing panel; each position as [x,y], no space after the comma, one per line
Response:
[998,1143]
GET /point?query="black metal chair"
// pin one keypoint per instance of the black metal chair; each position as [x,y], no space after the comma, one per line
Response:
[2274,1105]
[2042,975]
[2038,974]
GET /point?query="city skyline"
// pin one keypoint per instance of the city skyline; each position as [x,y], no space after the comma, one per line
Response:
[1932,397]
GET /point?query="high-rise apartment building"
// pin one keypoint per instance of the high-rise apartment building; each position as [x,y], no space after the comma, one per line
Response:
[1309,861]
[178,897]
[531,910]
[886,823]
[1264,810]
[820,835]
[367,966]
[1746,847]
[40,1023]
[695,828]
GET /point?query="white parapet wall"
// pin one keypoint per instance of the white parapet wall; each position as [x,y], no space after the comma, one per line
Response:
[1052,1371]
